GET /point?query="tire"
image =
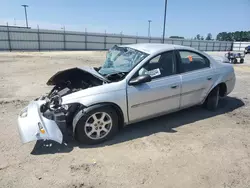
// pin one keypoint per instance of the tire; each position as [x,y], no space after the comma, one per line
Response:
[212,100]
[92,124]
[242,61]
[235,61]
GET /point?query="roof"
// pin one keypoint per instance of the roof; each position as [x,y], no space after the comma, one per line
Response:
[152,48]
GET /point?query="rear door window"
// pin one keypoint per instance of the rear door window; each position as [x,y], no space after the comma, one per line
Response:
[190,61]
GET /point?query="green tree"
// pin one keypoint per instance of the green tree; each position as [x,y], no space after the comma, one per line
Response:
[245,36]
[202,38]
[209,36]
[176,37]
[198,37]
[237,36]
[222,36]
[234,36]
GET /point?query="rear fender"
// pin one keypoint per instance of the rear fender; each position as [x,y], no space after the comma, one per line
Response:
[228,79]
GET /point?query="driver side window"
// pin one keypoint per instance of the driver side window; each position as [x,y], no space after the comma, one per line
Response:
[160,66]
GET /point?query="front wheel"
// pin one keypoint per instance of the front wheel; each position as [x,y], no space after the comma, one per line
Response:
[97,125]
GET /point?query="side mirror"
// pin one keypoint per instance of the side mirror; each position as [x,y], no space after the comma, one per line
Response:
[140,79]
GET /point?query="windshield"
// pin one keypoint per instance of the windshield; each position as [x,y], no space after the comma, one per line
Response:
[121,59]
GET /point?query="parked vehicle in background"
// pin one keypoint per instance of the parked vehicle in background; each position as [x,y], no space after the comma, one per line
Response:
[247,50]
[235,57]
[135,83]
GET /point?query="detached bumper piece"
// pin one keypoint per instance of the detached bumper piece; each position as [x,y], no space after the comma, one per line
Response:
[33,125]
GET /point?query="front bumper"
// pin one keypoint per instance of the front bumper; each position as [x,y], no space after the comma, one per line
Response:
[32,125]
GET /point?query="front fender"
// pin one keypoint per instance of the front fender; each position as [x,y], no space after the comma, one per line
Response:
[117,97]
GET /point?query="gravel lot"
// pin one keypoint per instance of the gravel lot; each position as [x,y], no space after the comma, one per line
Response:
[192,148]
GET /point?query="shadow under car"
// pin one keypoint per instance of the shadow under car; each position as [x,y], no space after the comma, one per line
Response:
[165,123]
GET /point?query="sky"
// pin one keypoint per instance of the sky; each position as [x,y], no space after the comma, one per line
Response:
[185,18]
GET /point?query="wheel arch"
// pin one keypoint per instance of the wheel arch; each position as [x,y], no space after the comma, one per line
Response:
[86,109]
[222,90]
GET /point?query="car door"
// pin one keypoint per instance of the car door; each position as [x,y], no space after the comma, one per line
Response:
[197,77]
[161,94]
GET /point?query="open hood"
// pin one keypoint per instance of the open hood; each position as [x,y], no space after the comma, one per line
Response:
[74,75]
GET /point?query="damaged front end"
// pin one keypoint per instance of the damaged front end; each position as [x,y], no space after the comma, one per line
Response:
[33,125]
[46,118]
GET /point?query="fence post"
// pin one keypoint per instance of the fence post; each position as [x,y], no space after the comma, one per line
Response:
[9,42]
[206,45]
[105,41]
[199,44]
[38,38]
[213,46]
[220,47]
[64,38]
[86,39]
[240,46]
[182,42]
[172,41]
[191,43]
[121,39]
[136,38]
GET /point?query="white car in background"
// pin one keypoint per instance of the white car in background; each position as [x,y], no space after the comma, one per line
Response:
[135,83]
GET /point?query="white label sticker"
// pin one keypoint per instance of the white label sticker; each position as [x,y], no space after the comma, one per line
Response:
[154,72]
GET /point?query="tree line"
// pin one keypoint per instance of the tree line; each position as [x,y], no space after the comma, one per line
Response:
[223,36]
[234,36]
[197,37]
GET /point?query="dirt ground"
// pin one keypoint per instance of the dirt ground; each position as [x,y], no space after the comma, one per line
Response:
[193,148]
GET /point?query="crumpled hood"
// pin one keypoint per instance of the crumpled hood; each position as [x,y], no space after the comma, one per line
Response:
[74,73]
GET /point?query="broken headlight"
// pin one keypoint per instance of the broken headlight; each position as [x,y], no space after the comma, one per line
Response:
[24,113]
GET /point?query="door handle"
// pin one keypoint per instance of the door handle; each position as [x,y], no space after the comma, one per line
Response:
[174,86]
[209,78]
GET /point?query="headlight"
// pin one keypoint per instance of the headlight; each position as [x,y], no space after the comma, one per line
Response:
[24,113]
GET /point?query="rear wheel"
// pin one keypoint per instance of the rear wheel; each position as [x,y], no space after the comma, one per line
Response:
[242,61]
[97,125]
[235,61]
[212,100]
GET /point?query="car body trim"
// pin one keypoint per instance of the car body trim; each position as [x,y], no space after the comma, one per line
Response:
[164,98]
[189,92]
[153,101]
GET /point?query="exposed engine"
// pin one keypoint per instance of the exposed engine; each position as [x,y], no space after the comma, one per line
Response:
[67,82]
[73,80]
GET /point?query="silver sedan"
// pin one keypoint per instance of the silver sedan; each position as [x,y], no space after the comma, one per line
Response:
[135,83]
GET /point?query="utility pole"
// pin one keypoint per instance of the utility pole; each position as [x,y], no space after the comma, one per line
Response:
[25,6]
[164,24]
[149,21]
